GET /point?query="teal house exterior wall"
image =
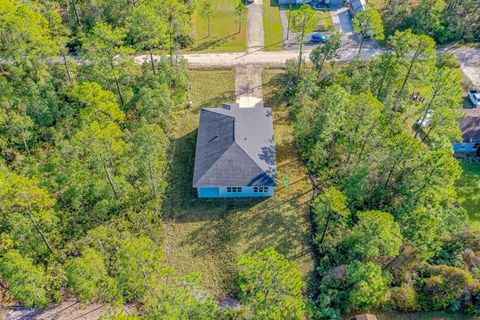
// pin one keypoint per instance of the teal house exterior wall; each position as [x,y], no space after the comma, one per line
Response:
[222,192]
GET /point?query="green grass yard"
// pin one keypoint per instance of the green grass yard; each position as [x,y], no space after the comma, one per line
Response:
[225,36]
[468,189]
[209,235]
[377,4]
[325,22]
[272,26]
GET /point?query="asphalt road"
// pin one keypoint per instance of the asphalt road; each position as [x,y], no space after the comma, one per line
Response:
[469,58]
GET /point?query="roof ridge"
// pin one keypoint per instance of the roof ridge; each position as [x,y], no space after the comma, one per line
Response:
[225,115]
[223,154]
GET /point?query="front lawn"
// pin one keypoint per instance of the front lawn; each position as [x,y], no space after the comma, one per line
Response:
[225,36]
[272,26]
[325,22]
[468,189]
[209,235]
[377,4]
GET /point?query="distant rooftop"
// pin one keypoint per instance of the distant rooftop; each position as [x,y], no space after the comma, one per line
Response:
[358,5]
[470,125]
[235,147]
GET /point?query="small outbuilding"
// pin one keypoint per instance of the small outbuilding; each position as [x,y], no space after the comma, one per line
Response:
[235,154]
[470,126]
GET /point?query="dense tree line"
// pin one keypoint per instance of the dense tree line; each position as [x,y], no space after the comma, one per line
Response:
[378,137]
[444,20]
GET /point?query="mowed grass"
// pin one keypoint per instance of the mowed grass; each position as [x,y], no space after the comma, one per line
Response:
[208,235]
[377,4]
[325,22]
[225,36]
[468,190]
[272,26]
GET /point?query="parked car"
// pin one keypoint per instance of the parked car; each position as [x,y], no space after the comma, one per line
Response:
[319,38]
[426,120]
[474,96]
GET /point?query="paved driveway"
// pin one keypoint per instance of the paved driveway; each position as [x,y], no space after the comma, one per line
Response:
[255,35]
[342,20]
[350,40]
[469,62]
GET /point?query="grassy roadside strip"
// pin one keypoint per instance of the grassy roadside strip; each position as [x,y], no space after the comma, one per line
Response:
[272,26]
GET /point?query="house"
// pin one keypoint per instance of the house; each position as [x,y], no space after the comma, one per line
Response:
[470,126]
[235,153]
[356,6]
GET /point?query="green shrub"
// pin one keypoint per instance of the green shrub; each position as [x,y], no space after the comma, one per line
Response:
[404,298]
[26,282]
[443,287]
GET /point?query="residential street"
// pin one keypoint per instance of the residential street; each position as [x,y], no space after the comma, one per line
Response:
[469,58]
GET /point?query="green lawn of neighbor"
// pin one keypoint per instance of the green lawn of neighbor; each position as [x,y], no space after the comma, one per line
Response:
[325,22]
[225,36]
[208,235]
[468,189]
[377,4]
[272,26]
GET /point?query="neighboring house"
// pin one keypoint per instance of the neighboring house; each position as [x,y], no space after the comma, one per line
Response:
[356,6]
[470,126]
[235,155]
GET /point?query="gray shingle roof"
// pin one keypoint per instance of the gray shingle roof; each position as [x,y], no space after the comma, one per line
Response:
[235,147]
[470,125]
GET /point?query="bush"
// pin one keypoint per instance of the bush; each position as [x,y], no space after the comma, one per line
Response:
[26,282]
[404,298]
[369,285]
[271,285]
[88,277]
[443,287]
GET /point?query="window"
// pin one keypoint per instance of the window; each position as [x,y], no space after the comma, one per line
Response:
[260,189]
[234,189]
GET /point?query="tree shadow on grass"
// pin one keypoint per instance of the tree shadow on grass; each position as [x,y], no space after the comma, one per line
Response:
[247,225]
[211,44]
[185,204]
